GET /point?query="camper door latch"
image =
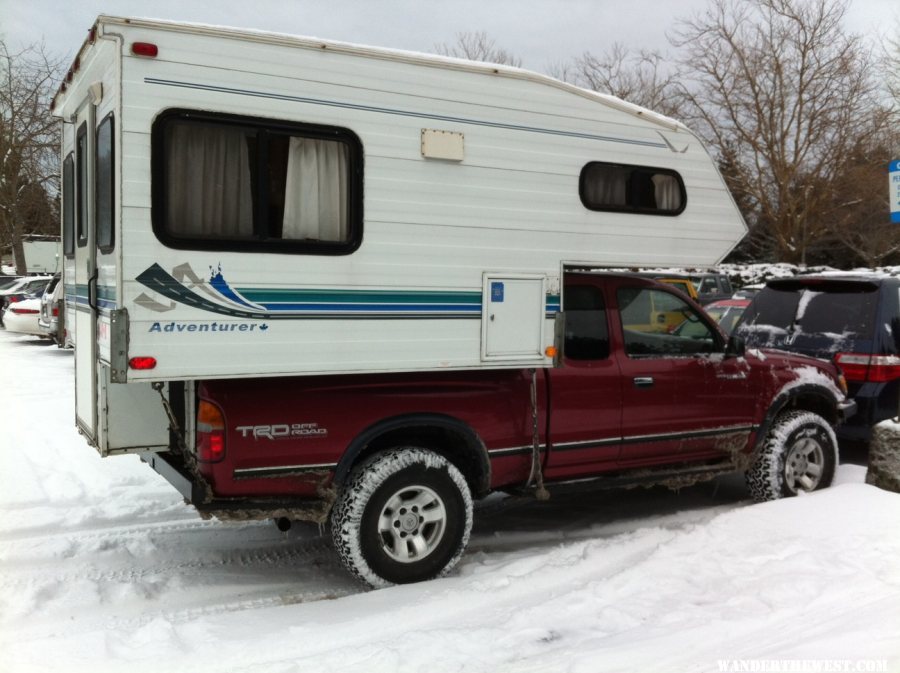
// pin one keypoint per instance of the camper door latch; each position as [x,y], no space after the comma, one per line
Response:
[92,291]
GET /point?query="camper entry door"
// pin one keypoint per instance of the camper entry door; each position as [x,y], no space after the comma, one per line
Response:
[85,273]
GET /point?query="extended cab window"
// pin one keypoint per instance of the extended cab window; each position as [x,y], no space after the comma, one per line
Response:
[587,334]
[658,323]
[634,189]
[228,183]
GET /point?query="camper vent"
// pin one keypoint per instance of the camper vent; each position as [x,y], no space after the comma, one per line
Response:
[442,145]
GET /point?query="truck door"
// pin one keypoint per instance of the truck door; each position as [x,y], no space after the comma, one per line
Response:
[85,275]
[585,414]
[681,398]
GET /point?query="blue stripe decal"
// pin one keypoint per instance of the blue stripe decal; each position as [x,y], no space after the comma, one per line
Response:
[389,308]
[401,113]
[308,303]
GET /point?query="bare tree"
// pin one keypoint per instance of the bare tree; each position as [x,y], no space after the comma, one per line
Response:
[478,46]
[859,214]
[782,85]
[29,146]
[639,77]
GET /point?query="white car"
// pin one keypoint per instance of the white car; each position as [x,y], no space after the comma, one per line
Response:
[23,288]
[51,303]
[22,316]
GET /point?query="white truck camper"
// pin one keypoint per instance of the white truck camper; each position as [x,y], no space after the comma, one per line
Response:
[241,204]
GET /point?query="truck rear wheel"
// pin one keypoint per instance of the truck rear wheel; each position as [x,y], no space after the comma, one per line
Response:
[403,516]
[799,454]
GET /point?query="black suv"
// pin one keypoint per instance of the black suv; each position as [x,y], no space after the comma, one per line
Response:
[853,320]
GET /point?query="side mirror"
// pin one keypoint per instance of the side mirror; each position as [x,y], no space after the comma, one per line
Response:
[736,347]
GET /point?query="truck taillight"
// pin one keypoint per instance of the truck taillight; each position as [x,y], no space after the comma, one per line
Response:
[862,367]
[210,433]
[56,311]
[23,311]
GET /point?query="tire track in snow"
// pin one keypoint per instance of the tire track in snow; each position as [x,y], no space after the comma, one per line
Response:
[316,549]
[96,530]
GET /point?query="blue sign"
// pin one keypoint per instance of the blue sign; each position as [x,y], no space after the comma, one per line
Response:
[497,292]
[894,190]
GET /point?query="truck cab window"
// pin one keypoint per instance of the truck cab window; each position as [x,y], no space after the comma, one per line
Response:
[587,333]
[234,184]
[657,323]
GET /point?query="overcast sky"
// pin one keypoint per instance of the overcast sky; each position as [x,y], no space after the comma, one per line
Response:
[541,32]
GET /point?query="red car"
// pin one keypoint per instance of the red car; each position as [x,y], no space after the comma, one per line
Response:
[727,312]
[394,460]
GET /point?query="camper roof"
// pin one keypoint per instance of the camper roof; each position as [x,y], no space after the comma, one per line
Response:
[429,60]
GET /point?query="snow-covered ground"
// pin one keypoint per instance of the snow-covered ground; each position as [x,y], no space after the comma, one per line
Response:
[102,568]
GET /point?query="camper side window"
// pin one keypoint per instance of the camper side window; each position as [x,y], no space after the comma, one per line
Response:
[104,185]
[634,189]
[229,183]
[68,196]
[81,157]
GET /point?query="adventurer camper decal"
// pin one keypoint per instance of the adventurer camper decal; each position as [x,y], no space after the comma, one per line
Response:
[184,286]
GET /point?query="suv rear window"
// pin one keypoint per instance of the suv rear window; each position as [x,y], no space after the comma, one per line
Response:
[816,319]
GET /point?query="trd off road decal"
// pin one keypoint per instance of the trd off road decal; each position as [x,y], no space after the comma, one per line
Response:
[282,430]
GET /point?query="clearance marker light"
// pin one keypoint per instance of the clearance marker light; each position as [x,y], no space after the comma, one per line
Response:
[551,351]
[142,363]
[144,49]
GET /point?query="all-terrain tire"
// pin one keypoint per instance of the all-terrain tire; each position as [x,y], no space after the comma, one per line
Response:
[799,454]
[403,516]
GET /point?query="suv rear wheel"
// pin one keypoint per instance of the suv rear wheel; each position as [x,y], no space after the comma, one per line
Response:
[799,454]
[403,516]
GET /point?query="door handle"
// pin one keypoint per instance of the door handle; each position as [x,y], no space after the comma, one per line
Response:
[92,291]
[643,381]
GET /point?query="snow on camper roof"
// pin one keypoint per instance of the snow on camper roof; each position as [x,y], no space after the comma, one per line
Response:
[420,58]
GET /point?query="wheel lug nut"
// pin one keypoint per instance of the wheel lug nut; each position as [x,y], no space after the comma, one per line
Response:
[421,519]
[416,531]
[403,510]
[402,534]
[415,509]
[396,524]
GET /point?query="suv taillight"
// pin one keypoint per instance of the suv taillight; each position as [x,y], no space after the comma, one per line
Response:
[863,367]
[210,433]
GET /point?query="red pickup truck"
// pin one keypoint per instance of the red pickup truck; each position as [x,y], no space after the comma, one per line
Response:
[647,391]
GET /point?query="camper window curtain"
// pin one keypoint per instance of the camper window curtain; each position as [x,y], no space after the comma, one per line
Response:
[667,192]
[606,185]
[209,190]
[315,206]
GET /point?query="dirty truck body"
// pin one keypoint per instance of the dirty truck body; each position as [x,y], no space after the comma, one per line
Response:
[287,260]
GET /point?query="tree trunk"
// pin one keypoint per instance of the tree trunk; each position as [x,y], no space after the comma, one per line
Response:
[18,248]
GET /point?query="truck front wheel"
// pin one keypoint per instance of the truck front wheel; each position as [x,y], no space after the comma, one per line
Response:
[403,516]
[799,454]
